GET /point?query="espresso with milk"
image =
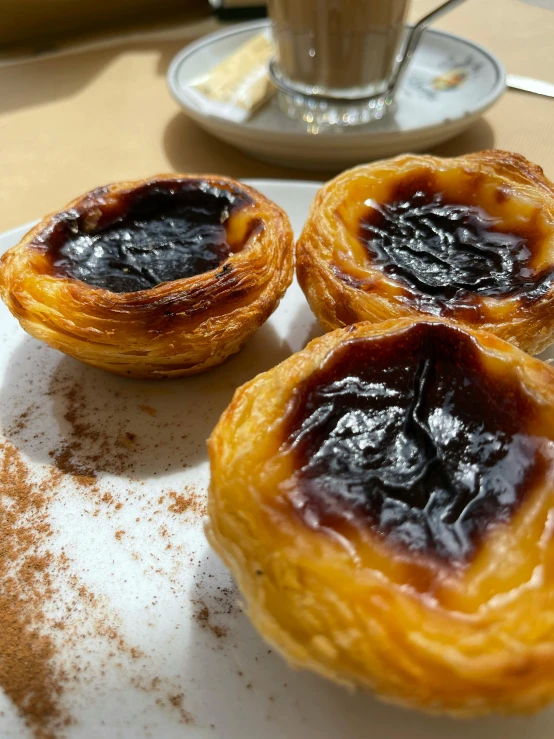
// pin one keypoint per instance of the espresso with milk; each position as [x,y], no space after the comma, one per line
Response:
[342,47]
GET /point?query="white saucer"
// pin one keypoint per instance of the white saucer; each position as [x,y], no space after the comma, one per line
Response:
[425,116]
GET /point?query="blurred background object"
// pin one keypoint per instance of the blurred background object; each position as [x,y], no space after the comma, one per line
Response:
[48,21]
[237,10]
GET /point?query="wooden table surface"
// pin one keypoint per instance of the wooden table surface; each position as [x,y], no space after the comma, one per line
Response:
[84,118]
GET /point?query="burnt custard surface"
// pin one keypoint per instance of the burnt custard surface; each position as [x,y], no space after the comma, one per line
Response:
[447,248]
[469,238]
[157,233]
[411,436]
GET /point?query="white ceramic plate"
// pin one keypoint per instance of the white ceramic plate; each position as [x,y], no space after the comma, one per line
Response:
[151,596]
[425,115]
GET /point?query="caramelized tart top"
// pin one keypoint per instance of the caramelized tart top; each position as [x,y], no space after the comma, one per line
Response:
[446,236]
[158,232]
[418,438]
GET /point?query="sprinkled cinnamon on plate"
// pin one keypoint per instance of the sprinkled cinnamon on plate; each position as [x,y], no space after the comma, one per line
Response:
[27,672]
[203,618]
[65,462]
[177,702]
[190,500]
[79,437]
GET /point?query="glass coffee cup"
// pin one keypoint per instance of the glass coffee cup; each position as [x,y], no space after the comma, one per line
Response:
[340,62]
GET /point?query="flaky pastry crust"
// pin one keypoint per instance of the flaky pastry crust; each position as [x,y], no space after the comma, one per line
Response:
[179,327]
[464,641]
[343,285]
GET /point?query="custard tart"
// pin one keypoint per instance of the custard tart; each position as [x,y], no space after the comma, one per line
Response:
[470,239]
[385,501]
[157,278]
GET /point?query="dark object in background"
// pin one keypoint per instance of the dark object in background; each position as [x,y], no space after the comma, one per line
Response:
[235,10]
[44,23]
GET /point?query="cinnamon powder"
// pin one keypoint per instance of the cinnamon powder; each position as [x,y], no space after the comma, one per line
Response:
[203,618]
[176,701]
[65,462]
[28,654]
[190,501]
[27,673]
[89,449]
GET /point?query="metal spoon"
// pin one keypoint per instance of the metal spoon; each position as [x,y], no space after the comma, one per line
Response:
[528,84]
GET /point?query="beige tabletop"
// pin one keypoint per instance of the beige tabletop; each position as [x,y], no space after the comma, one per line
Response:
[85,118]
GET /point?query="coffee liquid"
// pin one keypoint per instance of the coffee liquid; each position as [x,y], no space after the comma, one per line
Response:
[346,47]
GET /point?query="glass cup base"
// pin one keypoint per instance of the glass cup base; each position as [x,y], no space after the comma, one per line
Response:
[325,112]
[320,111]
